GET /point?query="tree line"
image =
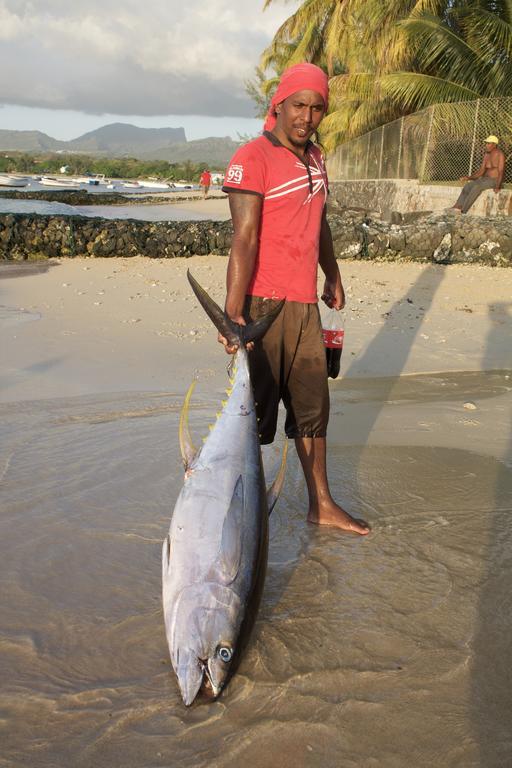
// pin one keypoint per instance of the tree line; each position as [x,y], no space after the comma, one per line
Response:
[129,168]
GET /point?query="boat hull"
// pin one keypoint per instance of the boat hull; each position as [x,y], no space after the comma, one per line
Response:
[12,181]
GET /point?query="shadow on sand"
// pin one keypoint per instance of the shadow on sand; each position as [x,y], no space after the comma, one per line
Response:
[25,268]
[491,679]
[399,314]
[11,380]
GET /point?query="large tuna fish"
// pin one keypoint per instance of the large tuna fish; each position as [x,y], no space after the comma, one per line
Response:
[215,555]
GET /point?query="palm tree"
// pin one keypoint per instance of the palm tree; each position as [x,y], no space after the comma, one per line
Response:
[314,33]
[387,58]
[300,38]
[465,55]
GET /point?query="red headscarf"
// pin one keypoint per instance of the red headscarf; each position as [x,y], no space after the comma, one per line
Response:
[300,77]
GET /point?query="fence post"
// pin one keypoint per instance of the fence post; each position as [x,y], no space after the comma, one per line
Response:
[427,144]
[335,168]
[381,151]
[474,137]
[400,147]
[367,155]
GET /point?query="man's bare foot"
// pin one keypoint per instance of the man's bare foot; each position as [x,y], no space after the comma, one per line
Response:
[336,516]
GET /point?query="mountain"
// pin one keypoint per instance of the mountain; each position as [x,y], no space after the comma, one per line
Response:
[29,141]
[112,140]
[213,150]
[124,139]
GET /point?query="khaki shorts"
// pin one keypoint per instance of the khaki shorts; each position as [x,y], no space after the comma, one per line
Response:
[289,364]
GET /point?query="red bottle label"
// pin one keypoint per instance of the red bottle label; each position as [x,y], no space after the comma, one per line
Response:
[333,339]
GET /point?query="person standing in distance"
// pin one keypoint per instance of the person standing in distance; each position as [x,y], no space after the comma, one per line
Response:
[277,188]
[205,181]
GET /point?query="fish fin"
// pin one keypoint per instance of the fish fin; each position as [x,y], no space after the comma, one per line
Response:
[188,452]
[275,489]
[235,334]
[227,564]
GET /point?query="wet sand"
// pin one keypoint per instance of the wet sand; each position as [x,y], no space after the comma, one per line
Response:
[109,325]
[392,651]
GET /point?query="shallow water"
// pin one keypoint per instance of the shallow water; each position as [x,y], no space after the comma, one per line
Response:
[390,651]
[144,212]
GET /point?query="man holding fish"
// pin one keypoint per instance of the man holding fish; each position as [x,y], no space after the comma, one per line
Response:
[277,187]
[215,555]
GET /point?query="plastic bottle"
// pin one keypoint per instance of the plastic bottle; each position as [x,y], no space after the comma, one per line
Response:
[333,335]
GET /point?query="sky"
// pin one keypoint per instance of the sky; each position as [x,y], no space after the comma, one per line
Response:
[69,66]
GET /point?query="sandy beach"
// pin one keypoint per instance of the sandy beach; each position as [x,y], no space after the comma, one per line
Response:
[392,652]
[108,325]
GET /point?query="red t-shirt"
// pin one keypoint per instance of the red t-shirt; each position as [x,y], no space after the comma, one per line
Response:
[206,179]
[294,195]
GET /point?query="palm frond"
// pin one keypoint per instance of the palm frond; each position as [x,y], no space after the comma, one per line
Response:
[439,50]
[413,90]
[360,86]
[308,46]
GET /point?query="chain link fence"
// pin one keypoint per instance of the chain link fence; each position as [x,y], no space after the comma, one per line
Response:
[438,144]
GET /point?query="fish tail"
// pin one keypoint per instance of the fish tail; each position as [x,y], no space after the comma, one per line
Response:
[236,334]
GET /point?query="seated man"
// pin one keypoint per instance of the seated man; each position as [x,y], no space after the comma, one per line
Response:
[489,176]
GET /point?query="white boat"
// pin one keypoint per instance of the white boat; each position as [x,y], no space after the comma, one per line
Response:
[13,181]
[51,181]
[86,180]
[130,184]
[154,184]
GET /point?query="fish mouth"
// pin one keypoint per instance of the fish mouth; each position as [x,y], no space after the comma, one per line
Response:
[198,685]
[208,687]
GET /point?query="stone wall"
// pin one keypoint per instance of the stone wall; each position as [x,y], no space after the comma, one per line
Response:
[29,236]
[446,238]
[385,196]
[83,197]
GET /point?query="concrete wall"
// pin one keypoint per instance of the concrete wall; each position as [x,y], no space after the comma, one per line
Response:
[405,196]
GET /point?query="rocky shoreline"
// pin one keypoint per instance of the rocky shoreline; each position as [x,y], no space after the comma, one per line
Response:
[32,237]
[82,197]
[442,238]
[436,238]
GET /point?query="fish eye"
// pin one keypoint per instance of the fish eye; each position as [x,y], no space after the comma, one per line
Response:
[226,654]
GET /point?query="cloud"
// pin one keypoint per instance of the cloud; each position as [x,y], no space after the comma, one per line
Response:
[131,57]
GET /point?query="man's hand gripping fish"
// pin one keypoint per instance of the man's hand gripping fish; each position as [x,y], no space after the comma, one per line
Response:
[215,556]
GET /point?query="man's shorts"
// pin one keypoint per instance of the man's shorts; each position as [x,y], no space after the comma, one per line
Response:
[289,364]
